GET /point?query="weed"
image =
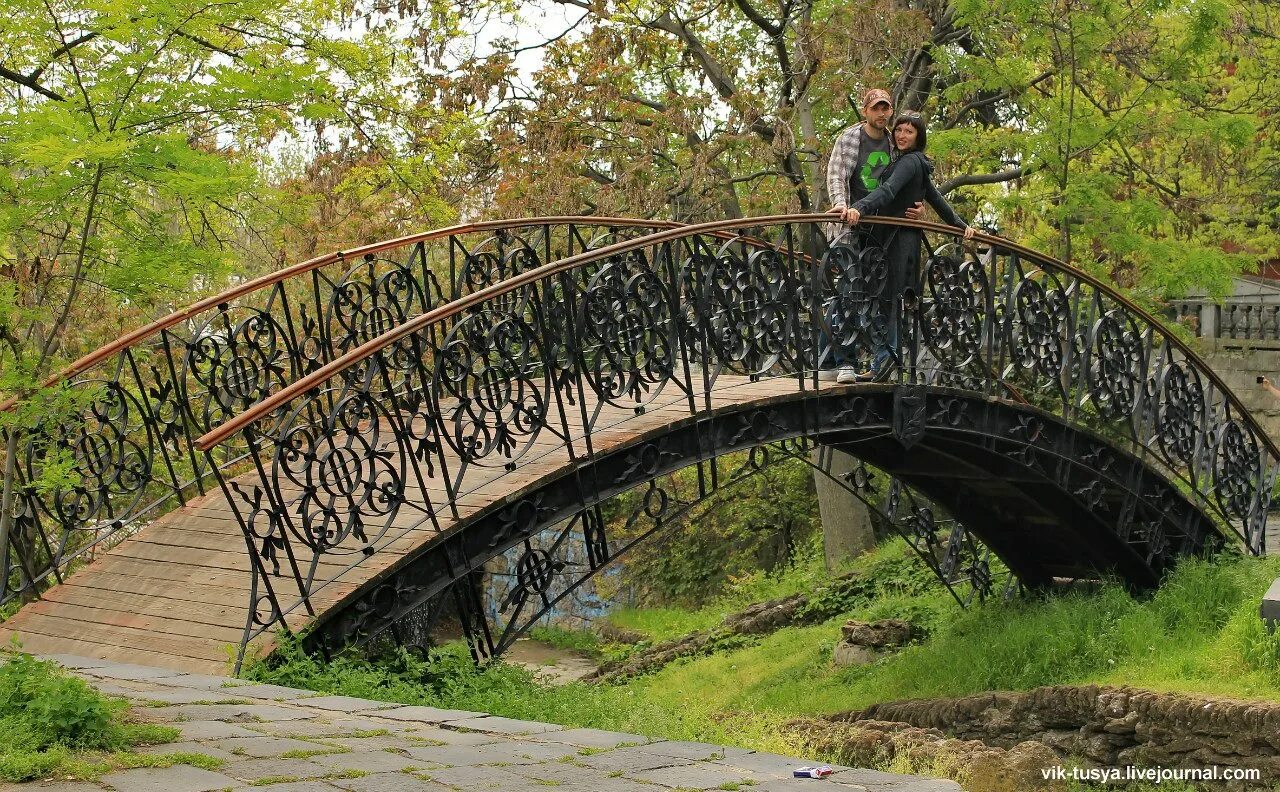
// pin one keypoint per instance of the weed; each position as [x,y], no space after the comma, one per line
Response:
[560,638]
[304,753]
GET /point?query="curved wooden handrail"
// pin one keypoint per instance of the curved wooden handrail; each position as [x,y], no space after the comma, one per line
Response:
[272,278]
[219,434]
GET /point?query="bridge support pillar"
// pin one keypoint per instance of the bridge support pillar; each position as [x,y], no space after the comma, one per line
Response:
[847,530]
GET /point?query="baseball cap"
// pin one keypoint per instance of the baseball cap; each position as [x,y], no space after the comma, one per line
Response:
[875,96]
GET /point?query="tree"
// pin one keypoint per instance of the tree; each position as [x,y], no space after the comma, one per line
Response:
[1125,135]
[136,163]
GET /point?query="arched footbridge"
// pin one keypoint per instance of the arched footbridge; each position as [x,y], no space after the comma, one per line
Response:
[344,449]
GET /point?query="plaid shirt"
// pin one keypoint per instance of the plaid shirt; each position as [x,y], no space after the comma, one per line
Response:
[844,158]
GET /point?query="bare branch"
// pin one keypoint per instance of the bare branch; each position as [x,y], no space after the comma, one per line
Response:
[967,180]
[27,82]
[998,97]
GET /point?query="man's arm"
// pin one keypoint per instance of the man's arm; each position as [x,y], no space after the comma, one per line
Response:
[844,156]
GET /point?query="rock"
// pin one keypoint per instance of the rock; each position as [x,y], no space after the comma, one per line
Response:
[847,655]
[614,634]
[878,635]
[765,617]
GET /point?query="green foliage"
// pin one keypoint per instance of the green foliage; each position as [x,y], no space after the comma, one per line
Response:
[763,523]
[44,707]
[53,721]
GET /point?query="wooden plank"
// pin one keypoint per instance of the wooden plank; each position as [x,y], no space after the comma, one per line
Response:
[145,640]
[45,644]
[175,572]
[195,611]
[128,620]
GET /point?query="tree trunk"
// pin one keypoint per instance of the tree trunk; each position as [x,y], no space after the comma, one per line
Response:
[6,500]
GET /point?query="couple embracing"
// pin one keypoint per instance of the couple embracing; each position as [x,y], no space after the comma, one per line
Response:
[881,169]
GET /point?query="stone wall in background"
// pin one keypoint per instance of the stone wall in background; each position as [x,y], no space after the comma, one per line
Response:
[1240,363]
[1107,726]
[577,611]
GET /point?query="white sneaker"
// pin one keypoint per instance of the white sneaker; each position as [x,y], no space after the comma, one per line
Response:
[827,375]
[846,375]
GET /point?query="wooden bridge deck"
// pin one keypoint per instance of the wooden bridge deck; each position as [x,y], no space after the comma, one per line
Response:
[176,594]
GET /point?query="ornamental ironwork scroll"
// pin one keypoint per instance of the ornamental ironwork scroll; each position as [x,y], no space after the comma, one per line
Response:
[561,354]
[122,425]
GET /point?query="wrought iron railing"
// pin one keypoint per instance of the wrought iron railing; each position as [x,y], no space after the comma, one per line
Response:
[145,397]
[389,439]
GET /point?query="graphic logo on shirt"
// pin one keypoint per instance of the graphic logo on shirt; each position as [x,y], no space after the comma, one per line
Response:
[875,160]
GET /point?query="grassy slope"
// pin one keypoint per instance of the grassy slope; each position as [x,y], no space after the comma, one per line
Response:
[1200,633]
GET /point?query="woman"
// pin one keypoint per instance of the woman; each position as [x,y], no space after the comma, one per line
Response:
[907,180]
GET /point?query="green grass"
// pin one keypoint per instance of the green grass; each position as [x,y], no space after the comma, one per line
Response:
[560,638]
[807,573]
[57,725]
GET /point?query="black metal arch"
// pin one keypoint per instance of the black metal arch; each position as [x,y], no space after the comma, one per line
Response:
[1052,417]
[146,396]
[1020,481]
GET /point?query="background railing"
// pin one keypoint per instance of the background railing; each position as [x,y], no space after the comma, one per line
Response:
[393,437]
[124,451]
[1239,319]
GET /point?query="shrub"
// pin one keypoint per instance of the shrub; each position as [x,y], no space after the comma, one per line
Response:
[47,716]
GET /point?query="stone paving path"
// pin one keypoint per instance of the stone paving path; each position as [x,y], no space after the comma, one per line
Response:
[279,739]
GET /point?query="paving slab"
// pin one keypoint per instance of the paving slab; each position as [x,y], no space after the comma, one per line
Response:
[211,730]
[692,750]
[434,735]
[770,764]
[479,778]
[272,692]
[179,778]
[592,738]
[702,775]
[189,696]
[260,747]
[290,786]
[498,725]
[251,770]
[630,760]
[388,782]
[204,681]
[130,671]
[561,773]
[53,786]
[426,714]
[233,713]
[328,724]
[76,661]
[376,761]
[343,703]
[187,746]
[494,754]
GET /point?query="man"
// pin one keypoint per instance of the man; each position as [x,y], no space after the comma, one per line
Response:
[858,159]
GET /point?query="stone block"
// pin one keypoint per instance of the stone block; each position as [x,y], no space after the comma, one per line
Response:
[498,725]
[847,655]
[1271,606]
[344,703]
[426,714]
[179,778]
